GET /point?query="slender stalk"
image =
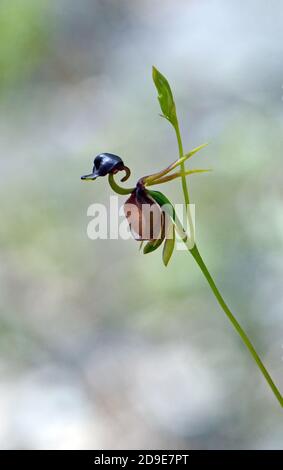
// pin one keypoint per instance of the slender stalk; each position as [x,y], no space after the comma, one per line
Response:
[117,188]
[195,253]
[182,166]
[184,183]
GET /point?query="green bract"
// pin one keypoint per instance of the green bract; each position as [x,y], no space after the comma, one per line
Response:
[165,96]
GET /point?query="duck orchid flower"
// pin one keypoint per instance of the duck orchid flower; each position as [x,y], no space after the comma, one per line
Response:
[157,224]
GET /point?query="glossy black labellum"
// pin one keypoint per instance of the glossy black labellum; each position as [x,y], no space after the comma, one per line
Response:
[105,164]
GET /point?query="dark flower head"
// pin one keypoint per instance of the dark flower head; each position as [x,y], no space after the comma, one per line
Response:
[105,164]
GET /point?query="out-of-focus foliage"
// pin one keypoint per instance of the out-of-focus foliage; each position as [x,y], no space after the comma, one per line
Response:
[23,39]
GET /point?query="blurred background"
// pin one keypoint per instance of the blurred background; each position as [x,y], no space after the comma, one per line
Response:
[100,346]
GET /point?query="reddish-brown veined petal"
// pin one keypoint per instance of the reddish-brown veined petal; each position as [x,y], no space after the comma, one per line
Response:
[144,215]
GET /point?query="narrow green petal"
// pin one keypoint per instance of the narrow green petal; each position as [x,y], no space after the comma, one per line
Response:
[195,150]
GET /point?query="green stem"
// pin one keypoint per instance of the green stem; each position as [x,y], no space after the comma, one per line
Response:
[182,165]
[195,253]
[184,183]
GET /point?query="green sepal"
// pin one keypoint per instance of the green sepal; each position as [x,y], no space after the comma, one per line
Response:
[162,200]
[152,245]
[169,245]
